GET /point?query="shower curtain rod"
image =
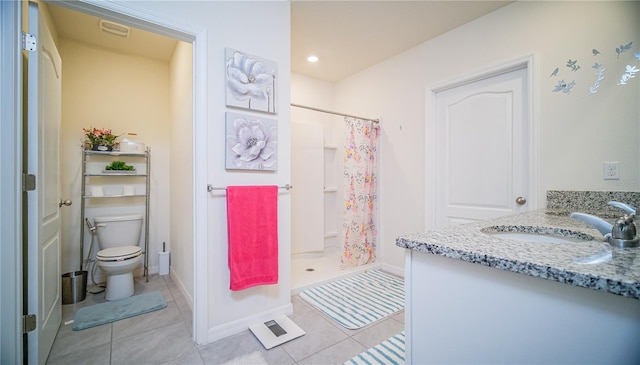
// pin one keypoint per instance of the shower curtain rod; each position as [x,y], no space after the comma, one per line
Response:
[334,113]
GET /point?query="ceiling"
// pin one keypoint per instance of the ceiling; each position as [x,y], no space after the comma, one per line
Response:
[347,36]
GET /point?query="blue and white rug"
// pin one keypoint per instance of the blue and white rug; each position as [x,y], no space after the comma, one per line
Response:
[358,300]
[389,352]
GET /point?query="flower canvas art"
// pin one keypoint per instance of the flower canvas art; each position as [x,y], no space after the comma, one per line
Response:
[252,143]
[250,82]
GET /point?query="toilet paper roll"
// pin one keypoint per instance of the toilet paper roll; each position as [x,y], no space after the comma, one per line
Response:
[163,263]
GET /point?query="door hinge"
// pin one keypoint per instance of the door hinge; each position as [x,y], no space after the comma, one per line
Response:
[28,182]
[29,42]
[28,323]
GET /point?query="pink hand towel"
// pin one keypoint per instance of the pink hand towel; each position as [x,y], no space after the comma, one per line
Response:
[252,222]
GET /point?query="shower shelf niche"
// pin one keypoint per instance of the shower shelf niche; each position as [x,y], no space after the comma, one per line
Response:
[331,193]
[330,234]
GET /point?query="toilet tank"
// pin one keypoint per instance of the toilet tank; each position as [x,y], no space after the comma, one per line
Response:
[118,231]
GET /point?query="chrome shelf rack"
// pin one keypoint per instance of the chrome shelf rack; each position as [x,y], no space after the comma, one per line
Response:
[87,156]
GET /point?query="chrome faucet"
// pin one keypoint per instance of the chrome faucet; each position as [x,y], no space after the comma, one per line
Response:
[625,207]
[620,234]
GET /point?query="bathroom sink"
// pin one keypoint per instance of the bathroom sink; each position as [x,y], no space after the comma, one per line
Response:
[535,237]
[597,258]
[536,234]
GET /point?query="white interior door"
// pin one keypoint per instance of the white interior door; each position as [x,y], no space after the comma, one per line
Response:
[482,149]
[43,212]
[307,196]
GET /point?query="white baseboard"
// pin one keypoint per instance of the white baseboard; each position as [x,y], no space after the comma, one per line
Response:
[242,324]
[392,269]
[182,287]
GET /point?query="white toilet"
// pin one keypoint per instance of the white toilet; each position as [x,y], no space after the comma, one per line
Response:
[120,253]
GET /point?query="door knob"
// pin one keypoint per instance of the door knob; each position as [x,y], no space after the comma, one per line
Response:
[521,201]
[66,202]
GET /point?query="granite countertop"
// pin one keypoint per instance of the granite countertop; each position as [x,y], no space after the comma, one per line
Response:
[589,263]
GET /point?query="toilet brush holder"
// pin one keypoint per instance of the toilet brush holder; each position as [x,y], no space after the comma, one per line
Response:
[163,263]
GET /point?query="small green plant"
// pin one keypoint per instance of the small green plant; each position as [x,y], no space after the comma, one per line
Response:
[119,165]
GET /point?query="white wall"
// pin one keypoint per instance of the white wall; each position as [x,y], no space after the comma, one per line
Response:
[10,185]
[262,29]
[318,94]
[577,133]
[181,161]
[125,93]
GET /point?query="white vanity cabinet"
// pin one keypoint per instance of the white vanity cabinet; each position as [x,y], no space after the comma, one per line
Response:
[476,298]
[112,192]
[464,313]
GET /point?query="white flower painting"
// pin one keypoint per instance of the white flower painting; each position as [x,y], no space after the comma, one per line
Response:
[251,82]
[252,142]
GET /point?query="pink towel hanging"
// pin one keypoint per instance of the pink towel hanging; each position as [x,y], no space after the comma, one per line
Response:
[252,222]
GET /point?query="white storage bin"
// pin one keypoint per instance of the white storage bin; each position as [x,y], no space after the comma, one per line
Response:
[131,144]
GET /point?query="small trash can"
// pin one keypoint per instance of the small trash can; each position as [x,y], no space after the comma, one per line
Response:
[74,287]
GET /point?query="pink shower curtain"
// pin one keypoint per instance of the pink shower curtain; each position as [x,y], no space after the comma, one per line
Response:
[360,204]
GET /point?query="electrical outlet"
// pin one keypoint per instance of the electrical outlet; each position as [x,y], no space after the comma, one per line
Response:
[612,170]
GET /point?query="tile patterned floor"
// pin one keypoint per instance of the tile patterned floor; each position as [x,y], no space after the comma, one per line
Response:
[164,336]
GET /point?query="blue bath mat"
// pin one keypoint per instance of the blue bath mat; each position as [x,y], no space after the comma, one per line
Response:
[359,300]
[97,314]
[389,352]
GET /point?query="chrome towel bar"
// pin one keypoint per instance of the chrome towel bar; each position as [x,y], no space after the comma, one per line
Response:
[211,188]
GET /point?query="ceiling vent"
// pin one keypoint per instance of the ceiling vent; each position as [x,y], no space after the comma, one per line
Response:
[114,28]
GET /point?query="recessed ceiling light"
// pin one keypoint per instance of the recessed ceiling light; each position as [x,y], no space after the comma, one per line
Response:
[312,59]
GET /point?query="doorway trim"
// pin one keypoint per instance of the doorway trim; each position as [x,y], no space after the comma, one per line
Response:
[526,62]
[127,14]
[10,180]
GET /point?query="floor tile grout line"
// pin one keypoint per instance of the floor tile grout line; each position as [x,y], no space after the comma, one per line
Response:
[348,335]
[111,344]
[182,313]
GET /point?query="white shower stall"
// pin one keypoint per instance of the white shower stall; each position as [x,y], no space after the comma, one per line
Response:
[316,196]
[306,146]
[314,202]
[315,170]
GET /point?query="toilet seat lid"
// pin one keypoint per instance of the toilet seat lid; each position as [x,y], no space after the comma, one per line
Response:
[119,253]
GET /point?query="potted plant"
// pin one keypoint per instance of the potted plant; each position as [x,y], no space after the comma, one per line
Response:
[99,139]
[120,167]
